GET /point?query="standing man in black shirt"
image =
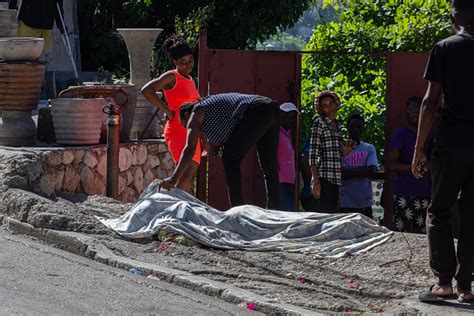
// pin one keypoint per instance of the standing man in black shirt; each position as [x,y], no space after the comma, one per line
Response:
[450,71]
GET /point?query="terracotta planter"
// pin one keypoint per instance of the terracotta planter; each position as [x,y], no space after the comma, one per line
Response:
[77,121]
[20,48]
[20,86]
[124,95]
[139,44]
[8,23]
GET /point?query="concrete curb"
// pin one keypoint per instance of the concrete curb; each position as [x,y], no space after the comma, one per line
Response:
[89,247]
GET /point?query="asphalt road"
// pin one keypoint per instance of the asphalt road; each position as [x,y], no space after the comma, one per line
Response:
[36,279]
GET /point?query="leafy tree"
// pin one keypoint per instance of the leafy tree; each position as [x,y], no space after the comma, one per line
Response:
[374,26]
[233,24]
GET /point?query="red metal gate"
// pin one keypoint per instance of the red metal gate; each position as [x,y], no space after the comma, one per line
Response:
[272,74]
[404,79]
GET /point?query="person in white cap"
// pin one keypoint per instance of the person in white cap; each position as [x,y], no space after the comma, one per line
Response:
[286,156]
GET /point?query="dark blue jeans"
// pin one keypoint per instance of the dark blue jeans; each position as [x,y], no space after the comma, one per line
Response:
[260,125]
[287,197]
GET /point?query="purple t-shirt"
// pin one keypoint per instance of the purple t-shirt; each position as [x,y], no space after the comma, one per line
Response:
[406,184]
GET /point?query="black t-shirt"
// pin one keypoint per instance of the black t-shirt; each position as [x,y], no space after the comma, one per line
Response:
[40,14]
[452,64]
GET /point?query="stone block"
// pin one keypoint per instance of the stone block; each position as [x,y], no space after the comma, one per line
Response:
[163,148]
[141,154]
[58,179]
[152,161]
[91,183]
[167,161]
[78,156]
[125,159]
[122,184]
[148,178]
[54,158]
[138,180]
[102,165]
[71,180]
[129,177]
[128,195]
[68,157]
[90,159]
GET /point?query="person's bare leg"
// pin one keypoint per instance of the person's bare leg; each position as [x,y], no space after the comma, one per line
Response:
[186,183]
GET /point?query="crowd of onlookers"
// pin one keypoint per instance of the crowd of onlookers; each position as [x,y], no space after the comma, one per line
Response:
[337,176]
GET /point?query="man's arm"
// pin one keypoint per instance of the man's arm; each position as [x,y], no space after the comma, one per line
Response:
[428,110]
[194,129]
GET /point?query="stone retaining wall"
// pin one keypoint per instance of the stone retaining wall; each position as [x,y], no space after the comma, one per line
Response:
[73,170]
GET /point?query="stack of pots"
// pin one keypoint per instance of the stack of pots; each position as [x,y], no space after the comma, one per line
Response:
[20,82]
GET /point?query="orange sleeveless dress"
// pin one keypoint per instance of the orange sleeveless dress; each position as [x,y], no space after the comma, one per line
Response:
[183,91]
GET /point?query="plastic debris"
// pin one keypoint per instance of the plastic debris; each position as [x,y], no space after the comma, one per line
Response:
[350,281]
[162,246]
[346,276]
[301,281]
[348,309]
[153,277]
[251,306]
[135,271]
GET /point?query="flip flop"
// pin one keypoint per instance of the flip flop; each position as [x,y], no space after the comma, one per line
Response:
[463,300]
[429,297]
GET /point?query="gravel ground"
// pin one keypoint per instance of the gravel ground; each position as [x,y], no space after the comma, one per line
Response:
[371,282]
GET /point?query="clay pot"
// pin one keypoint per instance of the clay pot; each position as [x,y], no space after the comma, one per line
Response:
[20,86]
[21,48]
[77,121]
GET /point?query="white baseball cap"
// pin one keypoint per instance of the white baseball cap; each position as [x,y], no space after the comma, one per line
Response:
[288,107]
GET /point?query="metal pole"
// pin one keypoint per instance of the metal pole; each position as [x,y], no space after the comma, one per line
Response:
[113,148]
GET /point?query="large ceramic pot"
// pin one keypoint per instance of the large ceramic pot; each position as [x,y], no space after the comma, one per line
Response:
[139,44]
[77,121]
[20,86]
[20,48]
[124,96]
[8,23]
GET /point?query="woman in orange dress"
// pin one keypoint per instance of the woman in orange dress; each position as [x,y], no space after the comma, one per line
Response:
[178,87]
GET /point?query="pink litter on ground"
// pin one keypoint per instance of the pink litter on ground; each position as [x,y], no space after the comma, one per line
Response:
[153,277]
[352,286]
[251,307]
[348,309]
[350,281]
[301,281]
[163,246]
[346,276]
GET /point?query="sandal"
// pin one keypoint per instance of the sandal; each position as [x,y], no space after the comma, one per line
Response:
[468,296]
[429,297]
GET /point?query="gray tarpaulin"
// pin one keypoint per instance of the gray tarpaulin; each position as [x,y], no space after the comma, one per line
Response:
[249,227]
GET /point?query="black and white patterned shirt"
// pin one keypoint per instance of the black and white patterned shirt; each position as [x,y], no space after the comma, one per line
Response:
[326,150]
[222,113]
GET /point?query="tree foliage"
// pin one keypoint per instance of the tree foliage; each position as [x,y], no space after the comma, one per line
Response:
[233,24]
[374,26]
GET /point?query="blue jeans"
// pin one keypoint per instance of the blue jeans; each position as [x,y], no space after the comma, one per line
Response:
[287,197]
